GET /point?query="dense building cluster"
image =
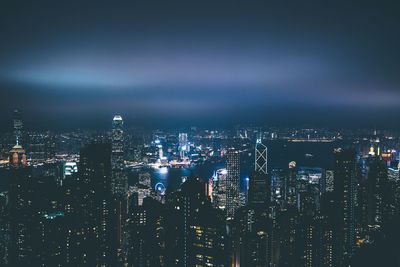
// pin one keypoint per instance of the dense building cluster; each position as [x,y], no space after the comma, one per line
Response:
[88,211]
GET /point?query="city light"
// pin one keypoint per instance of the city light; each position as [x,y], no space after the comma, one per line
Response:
[199,133]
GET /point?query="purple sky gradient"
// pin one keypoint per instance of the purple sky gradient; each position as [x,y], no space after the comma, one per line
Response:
[200,60]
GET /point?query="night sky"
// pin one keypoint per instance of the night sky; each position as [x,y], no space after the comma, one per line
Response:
[170,63]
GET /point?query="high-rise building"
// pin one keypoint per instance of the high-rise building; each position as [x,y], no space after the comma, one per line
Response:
[253,237]
[345,194]
[119,182]
[259,185]
[377,180]
[146,234]
[138,193]
[4,229]
[19,204]
[20,207]
[393,174]
[17,126]
[195,231]
[232,182]
[183,145]
[287,220]
[97,207]
[325,232]
[328,180]
[261,157]
[30,199]
[50,236]
[206,239]
[290,192]
[219,189]
[40,146]
[145,179]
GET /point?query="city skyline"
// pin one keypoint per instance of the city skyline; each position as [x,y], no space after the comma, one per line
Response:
[199,133]
[255,196]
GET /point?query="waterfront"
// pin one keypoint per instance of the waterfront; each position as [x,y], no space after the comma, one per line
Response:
[280,153]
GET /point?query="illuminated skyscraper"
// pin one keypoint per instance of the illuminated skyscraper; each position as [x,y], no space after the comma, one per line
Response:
[194,230]
[50,237]
[17,125]
[20,207]
[119,182]
[138,193]
[345,194]
[145,179]
[97,206]
[329,181]
[261,157]
[146,234]
[183,145]
[4,229]
[259,187]
[40,146]
[232,182]
[291,190]
[253,237]
[219,189]
[376,185]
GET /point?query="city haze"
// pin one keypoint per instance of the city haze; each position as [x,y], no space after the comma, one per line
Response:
[200,63]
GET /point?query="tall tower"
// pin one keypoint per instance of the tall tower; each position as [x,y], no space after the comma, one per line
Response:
[119,182]
[20,215]
[183,145]
[345,190]
[259,186]
[261,160]
[291,190]
[232,182]
[376,184]
[20,209]
[99,242]
[17,126]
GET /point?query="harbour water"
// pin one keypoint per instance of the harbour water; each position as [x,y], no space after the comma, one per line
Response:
[280,153]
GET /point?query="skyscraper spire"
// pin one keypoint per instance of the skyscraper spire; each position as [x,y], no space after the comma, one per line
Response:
[119,183]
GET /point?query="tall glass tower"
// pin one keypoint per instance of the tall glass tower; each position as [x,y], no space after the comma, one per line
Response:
[232,182]
[345,192]
[261,159]
[259,187]
[119,182]
[183,145]
[17,125]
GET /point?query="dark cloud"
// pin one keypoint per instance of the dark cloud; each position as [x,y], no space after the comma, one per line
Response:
[198,61]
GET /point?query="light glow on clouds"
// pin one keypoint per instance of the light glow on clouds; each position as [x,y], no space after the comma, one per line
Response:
[134,71]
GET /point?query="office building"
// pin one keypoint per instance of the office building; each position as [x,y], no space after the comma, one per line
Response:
[232,182]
